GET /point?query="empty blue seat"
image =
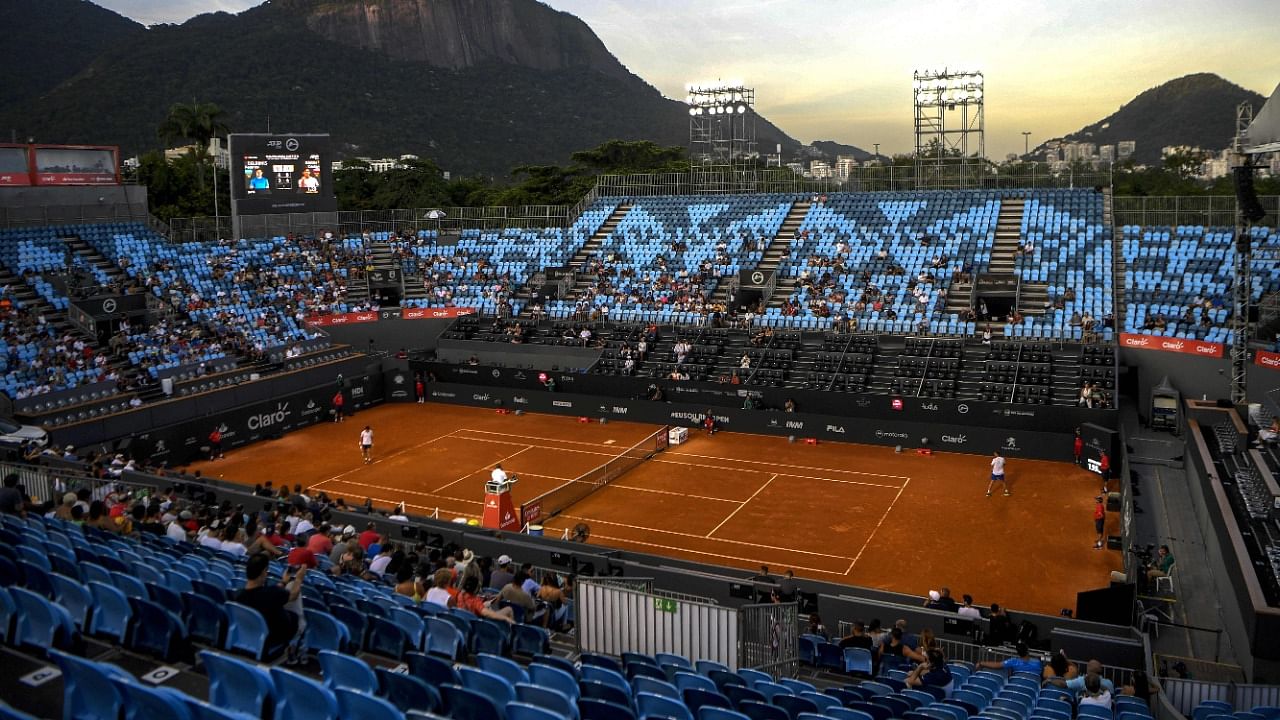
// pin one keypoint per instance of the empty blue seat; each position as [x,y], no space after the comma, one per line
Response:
[206,620]
[346,671]
[554,678]
[465,704]
[407,692]
[591,709]
[433,670]
[443,638]
[492,686]
[386,637]
[488,636]
[88,692]
[72,595]
[246,631]
[237,685]
[502,667]
[649,704]
[608,676]
[697,697]
[355,705]
[148,703]
[604,691]
[762,711]
[525,711]
[548,698]
[708,712]
[301,698]
[529,640]
[41,623]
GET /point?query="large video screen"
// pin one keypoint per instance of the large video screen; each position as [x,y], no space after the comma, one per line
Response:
[13,166]
[281,174]
[69,165]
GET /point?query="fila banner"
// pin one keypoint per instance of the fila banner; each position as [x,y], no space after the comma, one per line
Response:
[1168,344]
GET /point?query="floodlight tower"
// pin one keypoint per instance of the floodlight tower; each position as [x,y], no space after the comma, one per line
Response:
[722,125]
[1242,287]
[950,128]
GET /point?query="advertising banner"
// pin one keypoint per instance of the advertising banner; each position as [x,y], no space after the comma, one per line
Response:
[15,167]
[389,314]
[342,318]
[76,165]
[1269,360]
[1168,344]
[435,313]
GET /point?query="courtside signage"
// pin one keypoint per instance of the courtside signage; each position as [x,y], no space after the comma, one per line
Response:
[1168,344]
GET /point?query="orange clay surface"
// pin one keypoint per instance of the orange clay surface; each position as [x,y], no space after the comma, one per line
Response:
[856,514]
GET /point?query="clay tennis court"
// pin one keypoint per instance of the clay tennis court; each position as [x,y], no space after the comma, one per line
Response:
[855,514]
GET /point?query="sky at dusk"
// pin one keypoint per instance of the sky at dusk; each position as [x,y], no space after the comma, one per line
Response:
[841,69]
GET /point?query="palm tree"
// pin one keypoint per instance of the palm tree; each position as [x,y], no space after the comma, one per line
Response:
[197,122]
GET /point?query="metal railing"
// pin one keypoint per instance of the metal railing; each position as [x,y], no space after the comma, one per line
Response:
[355,222]
[1175,210]
[33,216]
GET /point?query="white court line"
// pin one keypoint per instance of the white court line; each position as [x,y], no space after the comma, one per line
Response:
[883,517]
[785,474]
[797,467]
[543,447]
[375,462]
[536,437]
[753,561]
[353,483]
[526,448]
[744,504]
[700,537]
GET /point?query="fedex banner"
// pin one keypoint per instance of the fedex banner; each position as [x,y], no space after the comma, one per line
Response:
[404,314]
[1269,360]
[1168,344]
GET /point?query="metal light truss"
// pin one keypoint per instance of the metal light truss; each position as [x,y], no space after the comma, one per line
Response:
[950,128]
[722,125]
[1242,287]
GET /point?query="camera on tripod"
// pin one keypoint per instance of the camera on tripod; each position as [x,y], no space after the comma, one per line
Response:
[1146,555]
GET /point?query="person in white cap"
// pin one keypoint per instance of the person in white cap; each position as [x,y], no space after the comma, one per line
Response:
[502,575]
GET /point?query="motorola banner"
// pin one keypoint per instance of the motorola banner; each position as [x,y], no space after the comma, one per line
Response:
[939,436]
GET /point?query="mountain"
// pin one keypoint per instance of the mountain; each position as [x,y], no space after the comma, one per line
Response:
[51,40]
[830,150]
[1197,110]
[476,85]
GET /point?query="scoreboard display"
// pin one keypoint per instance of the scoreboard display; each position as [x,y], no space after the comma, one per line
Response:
[287,173]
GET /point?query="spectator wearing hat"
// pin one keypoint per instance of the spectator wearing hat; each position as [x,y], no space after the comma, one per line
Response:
[503,574]
[345,540]
[175,530]
[69,453]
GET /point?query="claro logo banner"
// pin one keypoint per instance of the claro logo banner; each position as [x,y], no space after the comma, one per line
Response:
[1267,360]
[1168,344]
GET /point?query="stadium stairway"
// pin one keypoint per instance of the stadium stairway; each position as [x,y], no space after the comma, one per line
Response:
[1120,267]
[593,244]
[94,257]
[778,248]
[1008,235]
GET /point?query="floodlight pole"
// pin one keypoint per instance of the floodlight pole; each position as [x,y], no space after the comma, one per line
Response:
[1242,287]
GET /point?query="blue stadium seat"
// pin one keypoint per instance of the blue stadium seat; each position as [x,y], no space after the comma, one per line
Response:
[206,620]
[74,596]
[464,704]
[431,669]
[603,691]
[156,631]
[407,692]
[525,711]
[507,669]
[300,698]
[491,686]
[353,704]
[444,639]
[387,638]
[591,709]
[246,631]
[708,712]
[762,711]
[488,636]
[324,632]
[346,671]
[41,623]
[547,698]
[554,678]
[237,685]
[529,640]
[88,692]
[147,703]
[650,705]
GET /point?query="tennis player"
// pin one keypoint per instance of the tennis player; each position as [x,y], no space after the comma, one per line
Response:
[997,473]
[366,444]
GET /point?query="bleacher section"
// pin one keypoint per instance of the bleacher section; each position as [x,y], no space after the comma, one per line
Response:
[668,254]
[1179,279]
[94,602]
[1071,253]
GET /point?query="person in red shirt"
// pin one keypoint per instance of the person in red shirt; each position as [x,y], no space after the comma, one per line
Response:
[1104,468]
[469,599]
[337,406]
[319,543]
[215,444]
[420,388]
[1077,447]
[709,422]
[1099,520]
[369,537]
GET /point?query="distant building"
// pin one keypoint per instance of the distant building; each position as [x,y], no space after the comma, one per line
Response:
[1107,153]
[217,150]
[820,169]
[380,165]
[845,166]
[1125,149]
[795,167]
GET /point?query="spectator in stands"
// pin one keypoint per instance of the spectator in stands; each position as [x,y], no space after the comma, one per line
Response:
[1022,663]
[941,600]
[815,626]
[967,610]
[1002,629]
[369,537]
[63,511]
[279,605]
[469,599]
[441,592]
[857,637]
[378,566]
[1059,669]
[514,593]
[320,543]
[503,574]
[1094,692]
[933,672]
[176,529]
[351,563]
[12,501]
[405,582]
[893,649]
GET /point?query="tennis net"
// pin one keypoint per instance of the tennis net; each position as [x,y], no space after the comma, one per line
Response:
[554,501]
